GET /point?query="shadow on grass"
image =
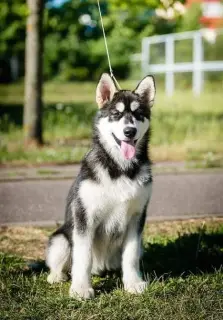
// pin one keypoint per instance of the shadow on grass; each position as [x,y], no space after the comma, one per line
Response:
[194,253]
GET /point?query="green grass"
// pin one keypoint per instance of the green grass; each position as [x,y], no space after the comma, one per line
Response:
[183,261]
[184,127]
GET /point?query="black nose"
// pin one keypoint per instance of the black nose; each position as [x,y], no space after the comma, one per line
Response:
[130,132]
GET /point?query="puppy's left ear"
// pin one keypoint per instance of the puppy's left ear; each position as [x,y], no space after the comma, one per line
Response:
[146,89]
[105,90]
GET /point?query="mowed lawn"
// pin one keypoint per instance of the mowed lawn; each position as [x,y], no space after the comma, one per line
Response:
[182,260]
[184,128]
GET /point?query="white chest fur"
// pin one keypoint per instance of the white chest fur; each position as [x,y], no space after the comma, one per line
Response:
[114,200]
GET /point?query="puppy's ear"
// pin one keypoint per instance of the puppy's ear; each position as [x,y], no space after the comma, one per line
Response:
[105,90]
[146,89]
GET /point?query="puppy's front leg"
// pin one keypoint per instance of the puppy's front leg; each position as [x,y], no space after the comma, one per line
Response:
[132,279]
[81,266]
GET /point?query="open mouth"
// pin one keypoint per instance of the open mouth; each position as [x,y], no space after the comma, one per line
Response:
[128,148]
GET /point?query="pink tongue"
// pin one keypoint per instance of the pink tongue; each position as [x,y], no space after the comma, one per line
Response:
[128,149]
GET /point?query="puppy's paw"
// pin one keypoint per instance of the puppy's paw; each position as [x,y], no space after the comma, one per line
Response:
[137,287]
[81,292]
[56,277]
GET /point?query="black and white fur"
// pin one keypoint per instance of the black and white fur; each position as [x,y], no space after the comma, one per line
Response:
[106,205]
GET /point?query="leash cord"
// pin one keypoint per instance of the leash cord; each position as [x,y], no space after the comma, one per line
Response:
[106,47]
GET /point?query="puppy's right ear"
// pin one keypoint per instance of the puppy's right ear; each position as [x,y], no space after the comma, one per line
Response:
[146,89]
[105,90]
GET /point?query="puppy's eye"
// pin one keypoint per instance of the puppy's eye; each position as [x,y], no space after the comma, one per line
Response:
[139,114]
[116,113]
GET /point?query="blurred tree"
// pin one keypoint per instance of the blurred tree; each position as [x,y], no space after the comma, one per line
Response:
[32,123]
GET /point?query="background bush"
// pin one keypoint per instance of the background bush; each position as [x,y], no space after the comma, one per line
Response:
[74,46]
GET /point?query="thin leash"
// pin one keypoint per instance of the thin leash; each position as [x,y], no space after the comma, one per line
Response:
[106,47]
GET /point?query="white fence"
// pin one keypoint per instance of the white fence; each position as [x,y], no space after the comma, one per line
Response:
[197,66]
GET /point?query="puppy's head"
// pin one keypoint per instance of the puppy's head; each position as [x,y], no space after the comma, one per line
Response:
[124,116]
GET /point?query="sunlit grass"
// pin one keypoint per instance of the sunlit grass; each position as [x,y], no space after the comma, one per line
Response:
[182,261]
[184,127]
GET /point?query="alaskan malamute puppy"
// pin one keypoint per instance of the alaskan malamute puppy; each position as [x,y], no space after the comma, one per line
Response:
[107,203]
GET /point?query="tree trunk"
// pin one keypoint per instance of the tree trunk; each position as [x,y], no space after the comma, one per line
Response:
[32,120]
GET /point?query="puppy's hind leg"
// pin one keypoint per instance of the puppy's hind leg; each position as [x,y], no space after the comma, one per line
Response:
[58,258]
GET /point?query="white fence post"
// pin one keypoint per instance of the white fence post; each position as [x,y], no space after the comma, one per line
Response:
[198,79]
[169,53]
[197,66]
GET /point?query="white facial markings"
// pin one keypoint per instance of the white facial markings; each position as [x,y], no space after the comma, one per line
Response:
[108,129]
[134,105]
[120,106]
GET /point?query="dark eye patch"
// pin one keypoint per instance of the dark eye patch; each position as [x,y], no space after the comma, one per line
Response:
[115,112]
[126,97]
[115,115]
[139,114]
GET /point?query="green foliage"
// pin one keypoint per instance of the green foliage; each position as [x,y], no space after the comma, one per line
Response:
[133,6]
[74,51]
[12,17]
[12,35]
[191,20]
[74,46]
